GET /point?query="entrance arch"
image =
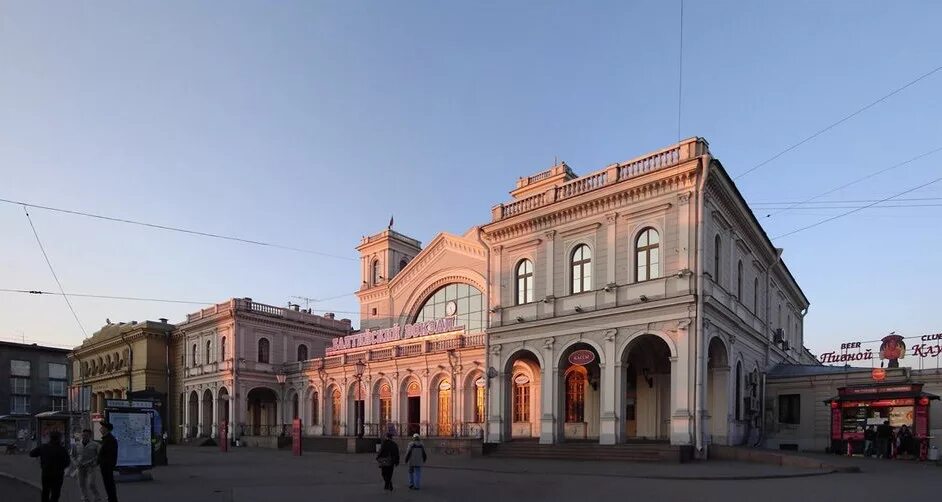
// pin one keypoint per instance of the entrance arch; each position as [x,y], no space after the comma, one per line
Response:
[410,406]
[442,406]
[206,420]
[332,411]
[193,414]
[382,404]
[222,408]
[262,412]
[522,390]
[356,408]
[646,381]
[717,390]
[579,393]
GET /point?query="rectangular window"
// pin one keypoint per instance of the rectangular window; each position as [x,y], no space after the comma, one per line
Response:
[57,371]
[522,402]
[58,404]
[19,368]
[789,409]
[19,405]
[57,388]
[19,386]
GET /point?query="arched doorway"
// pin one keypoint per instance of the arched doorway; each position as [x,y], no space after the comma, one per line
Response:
[263,412]
[206,420]
[475,399]
[411,406]
[222,409]
[442,407]
[333,411]
[356,405]
[646,389]
[522,407]
[579,392]
[382,403]
[193,415]
[314,419]
[717,392]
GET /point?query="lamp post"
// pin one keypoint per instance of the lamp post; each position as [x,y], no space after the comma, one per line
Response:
[359,367]
[281,380]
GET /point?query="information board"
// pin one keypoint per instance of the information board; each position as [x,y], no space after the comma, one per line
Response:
[132,430]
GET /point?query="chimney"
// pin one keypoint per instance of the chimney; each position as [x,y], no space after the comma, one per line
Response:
[348,322]
[328,315]
[163,320]
[296,308]
[247,299]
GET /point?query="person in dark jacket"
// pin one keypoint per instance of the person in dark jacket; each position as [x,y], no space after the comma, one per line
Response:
[884,435]
[870,436]
[416,458]
[53,459]
[108,460]
[388,459]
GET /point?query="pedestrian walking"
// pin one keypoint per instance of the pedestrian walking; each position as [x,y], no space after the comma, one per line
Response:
[85,460]
[108,460]
[53,459]
[884,435]
[870,435]
[388,459]
[415,458]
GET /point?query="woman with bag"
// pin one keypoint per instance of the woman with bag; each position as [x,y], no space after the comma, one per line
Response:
[388,459]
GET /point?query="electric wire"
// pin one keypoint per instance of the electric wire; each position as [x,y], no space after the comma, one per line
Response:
[53,271]
[176,229]
[852,211]
[841,121]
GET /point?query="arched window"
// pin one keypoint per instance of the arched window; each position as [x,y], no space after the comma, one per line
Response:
[444,408]
[222,349]
[467,302]
[575,394]
[194,360]
[717,250]
[402,264]
[739,391]
[581,260]
[264,349]
[755,296]
[739,281]
[524,282]
[315,409]
[521,386]
[648,256]
[479,399]
[385,405]
[209,350]
[302,352]
[374,272]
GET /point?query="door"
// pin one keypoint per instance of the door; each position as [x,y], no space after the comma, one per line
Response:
[414,414]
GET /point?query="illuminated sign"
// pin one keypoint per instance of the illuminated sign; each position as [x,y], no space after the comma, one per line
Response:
[581,357]
[891,348]
[395,333]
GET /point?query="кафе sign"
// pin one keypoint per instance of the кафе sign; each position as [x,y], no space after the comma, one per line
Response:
[395,333]
[892,348]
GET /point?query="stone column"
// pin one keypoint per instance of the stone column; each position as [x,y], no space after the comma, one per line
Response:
[681,387]
[186,413]
[199,415]
[396,408]
[549,375]
[608,421]
[495,398]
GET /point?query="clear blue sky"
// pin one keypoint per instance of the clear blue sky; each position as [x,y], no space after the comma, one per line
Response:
[309,123]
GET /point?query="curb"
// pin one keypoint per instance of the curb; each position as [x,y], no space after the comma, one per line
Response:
[20,480]
[633,476]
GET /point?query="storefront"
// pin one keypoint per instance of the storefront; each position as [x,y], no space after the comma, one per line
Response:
[855,409]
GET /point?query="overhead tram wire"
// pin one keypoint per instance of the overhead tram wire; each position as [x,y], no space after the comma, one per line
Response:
[842,201]
[841,121]
[852,211]
[858,180]
[53,271]
[175,229]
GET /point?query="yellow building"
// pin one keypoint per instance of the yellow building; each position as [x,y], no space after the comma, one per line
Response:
[123,358]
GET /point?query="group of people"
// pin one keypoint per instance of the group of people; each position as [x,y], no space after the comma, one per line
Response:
[85,457]
[388,459]
[886,442]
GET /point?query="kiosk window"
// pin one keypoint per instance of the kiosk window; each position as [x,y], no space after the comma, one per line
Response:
[789,409]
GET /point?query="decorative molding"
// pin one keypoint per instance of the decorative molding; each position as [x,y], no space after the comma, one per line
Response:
[550,234]
[609,335]
[524,245]
[683,198]
[647,211]
[580,229]
[611,218]
[548,343]
[495,349]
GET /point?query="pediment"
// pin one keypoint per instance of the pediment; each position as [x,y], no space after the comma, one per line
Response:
[435,256]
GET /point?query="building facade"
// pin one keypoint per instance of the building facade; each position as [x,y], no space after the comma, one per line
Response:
[641,301]
[230,358]
[124,358]
[35,380]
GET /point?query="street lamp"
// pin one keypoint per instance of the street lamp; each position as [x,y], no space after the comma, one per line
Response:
[358,369]
[281,377]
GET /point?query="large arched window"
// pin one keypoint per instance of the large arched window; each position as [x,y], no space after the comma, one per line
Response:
[524,276]
[302,352]
[479,400]
[264,350]
[374,273]
[739,391]
[521,386]
[575,394]
[739,281]
[222,349]
[755,296]
[467,302]
[194,360]
[717,251]
[648,255]
[581,263]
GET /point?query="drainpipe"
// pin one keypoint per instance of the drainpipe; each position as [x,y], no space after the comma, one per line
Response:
[487,339]
[699,340]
